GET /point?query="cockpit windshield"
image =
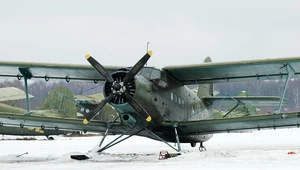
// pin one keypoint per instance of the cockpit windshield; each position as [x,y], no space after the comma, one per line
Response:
[150,73]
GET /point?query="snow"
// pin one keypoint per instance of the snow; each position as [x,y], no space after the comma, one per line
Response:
[266,149]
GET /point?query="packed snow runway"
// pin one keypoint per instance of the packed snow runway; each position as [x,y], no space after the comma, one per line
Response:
[266,149]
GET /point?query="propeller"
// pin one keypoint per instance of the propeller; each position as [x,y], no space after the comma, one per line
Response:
[118,87]
[136,106]
[97,109]
[137,67]
[99,68]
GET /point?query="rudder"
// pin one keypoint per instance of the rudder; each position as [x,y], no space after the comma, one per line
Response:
[205,90]
[61,99]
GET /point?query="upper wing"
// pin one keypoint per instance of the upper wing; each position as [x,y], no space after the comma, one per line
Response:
[238,124]
[189,74]
[235,71]
[53,71]
[12,93]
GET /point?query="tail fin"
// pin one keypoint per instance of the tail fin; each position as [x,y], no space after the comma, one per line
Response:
[205,90]
[61,99]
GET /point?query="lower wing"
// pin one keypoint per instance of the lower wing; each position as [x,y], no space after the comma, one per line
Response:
[247,100]
[52,123]
[227,125]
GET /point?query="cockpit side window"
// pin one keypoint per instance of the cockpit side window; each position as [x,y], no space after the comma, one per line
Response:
[155,74]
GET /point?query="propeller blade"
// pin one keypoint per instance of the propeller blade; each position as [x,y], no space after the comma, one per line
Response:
[99,68]
[137,107]
[137,67]
[98,108]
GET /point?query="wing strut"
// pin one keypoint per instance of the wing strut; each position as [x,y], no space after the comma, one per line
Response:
[27,75]
[290,72]
[238,103]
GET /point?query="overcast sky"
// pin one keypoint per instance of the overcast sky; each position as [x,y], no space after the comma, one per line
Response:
[116,32]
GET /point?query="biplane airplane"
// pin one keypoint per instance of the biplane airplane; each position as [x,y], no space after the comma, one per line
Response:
[156,103]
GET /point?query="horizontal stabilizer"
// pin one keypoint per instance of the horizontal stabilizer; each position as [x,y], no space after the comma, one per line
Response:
[248,100]
[90,99]
[89,102]
[12,93]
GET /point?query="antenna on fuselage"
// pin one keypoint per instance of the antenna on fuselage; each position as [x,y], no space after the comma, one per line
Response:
[147,49]
[147,46]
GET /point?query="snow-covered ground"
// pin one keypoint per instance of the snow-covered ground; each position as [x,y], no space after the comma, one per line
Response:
[266,149]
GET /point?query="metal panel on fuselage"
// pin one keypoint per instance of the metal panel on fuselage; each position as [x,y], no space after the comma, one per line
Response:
[176,102]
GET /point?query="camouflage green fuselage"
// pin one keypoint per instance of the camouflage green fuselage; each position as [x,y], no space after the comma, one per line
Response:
[166,100]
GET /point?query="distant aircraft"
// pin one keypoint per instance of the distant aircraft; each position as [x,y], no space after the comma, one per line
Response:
[86,103]
[59,104]
[155,103]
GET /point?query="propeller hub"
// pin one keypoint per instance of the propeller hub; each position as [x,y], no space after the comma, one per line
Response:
[116,86]
[119,87]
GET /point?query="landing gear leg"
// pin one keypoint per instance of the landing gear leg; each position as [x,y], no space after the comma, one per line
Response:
[105,134]
[116,141]
[201,147]
[112,143]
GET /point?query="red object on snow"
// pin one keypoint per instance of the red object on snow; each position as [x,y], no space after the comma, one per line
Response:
[164,155]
